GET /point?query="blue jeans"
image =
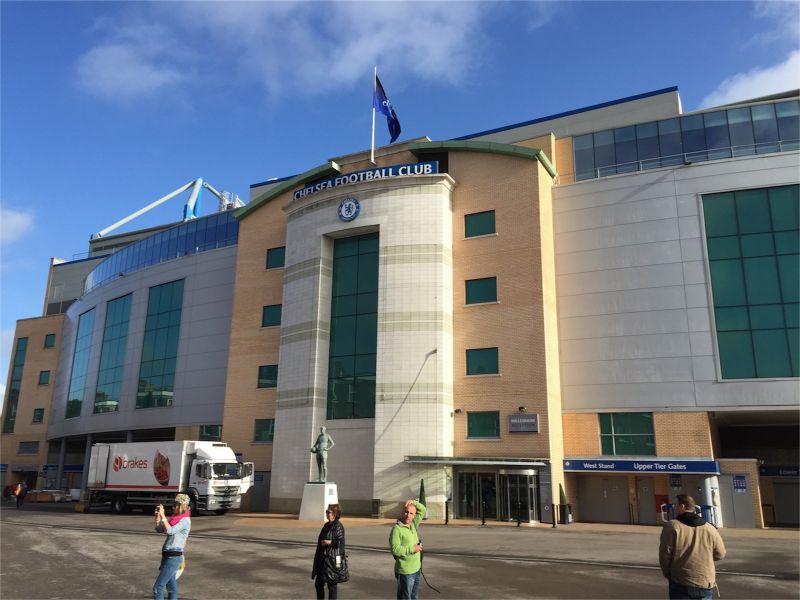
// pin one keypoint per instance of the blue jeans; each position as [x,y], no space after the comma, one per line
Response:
[685,592]
[166,577]
[408,587]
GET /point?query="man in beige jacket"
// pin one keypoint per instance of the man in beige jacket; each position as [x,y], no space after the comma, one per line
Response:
[689,546]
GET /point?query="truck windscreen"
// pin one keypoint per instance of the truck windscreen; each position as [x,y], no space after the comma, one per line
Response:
[226,470]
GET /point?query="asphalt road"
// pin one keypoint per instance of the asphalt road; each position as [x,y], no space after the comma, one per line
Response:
[50,552]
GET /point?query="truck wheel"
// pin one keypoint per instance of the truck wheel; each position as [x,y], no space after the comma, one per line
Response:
[221,511]
[119,505]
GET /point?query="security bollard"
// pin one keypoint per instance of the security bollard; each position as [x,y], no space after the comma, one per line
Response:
[555,515]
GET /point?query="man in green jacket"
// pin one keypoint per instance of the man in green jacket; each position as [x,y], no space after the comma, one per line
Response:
[406,549]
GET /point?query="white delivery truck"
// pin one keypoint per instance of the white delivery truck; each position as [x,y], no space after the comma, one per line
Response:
[145,474]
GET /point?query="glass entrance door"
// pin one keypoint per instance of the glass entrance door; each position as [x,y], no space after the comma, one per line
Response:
[519,495]
[477,495]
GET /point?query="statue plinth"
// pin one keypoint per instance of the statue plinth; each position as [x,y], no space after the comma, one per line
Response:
[317,495]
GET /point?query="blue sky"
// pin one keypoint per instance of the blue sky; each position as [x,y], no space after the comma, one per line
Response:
[107,106]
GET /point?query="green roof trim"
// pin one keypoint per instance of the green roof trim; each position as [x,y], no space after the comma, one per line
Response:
[325,169]
[488,147]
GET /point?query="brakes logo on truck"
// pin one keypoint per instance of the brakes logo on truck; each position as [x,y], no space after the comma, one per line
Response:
[121,463]
[161,468]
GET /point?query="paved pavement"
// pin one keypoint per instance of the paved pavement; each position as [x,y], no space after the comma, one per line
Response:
[255,555]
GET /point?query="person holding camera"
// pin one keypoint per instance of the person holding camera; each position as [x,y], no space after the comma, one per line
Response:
[176,529]
[406,549]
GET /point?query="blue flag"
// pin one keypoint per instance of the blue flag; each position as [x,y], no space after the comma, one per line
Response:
[383,106]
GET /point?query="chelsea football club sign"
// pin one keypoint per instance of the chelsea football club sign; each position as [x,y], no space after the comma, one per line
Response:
[423,168]
[349,209]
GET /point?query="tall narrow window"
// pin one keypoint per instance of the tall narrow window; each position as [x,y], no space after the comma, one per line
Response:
[753,240]
[112,355]
[160,346]
[788,114]
[583,147]
[80,365]
[38,415]
[16,383]
[44,377]
[765,128]
[50,340]
[354,328]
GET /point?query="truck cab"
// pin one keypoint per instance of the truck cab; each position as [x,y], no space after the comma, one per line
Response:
[218,484]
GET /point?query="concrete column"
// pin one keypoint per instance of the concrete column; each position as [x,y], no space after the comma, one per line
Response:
[62,454]
[87,455]
[711,496]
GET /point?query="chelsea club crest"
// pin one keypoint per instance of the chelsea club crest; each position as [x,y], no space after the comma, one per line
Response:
[349,209]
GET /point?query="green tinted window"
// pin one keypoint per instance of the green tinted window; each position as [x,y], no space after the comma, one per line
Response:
[80,365]
[482,361]
[50,340]
[268,376]
[354,328]
[264,430]
[271,315]
[483,424]
[481,223]
[752,238]
[16,384]
[627,434]
[112,355]
[160,346]
[44,377]
[481,290]
[210,433]
[276,257]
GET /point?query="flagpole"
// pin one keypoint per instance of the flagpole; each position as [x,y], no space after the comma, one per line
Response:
[374,90]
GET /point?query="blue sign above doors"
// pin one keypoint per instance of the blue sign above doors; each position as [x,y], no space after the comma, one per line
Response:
[600,465]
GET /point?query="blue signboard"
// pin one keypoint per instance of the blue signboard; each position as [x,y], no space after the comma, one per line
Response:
[602,465]
[779,471]
[423,168]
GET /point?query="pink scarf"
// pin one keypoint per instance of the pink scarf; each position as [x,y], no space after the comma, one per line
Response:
[175,519]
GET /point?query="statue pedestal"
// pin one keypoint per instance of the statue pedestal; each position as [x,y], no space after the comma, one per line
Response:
[316,497]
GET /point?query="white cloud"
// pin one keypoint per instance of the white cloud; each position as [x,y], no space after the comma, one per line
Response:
[13,225]
[541,13]
[757,82]
[287,49]
[784,21]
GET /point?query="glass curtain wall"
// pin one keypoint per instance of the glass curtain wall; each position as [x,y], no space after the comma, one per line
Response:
[160,347]
[753,243]
[713,135]
[15,385]
[354,328]
[80,364]
[112,355]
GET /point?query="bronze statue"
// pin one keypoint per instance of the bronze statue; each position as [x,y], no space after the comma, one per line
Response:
[320,448]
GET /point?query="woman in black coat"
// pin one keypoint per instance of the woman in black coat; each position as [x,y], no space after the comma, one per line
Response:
[329,544]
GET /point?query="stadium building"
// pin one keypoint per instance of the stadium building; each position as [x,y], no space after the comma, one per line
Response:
[599,307]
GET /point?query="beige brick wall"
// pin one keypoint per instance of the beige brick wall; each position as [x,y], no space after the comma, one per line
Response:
[545,143]
[581,434]
[685,434]
[564,163]
[250,344]
[515,324]
[32,395]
